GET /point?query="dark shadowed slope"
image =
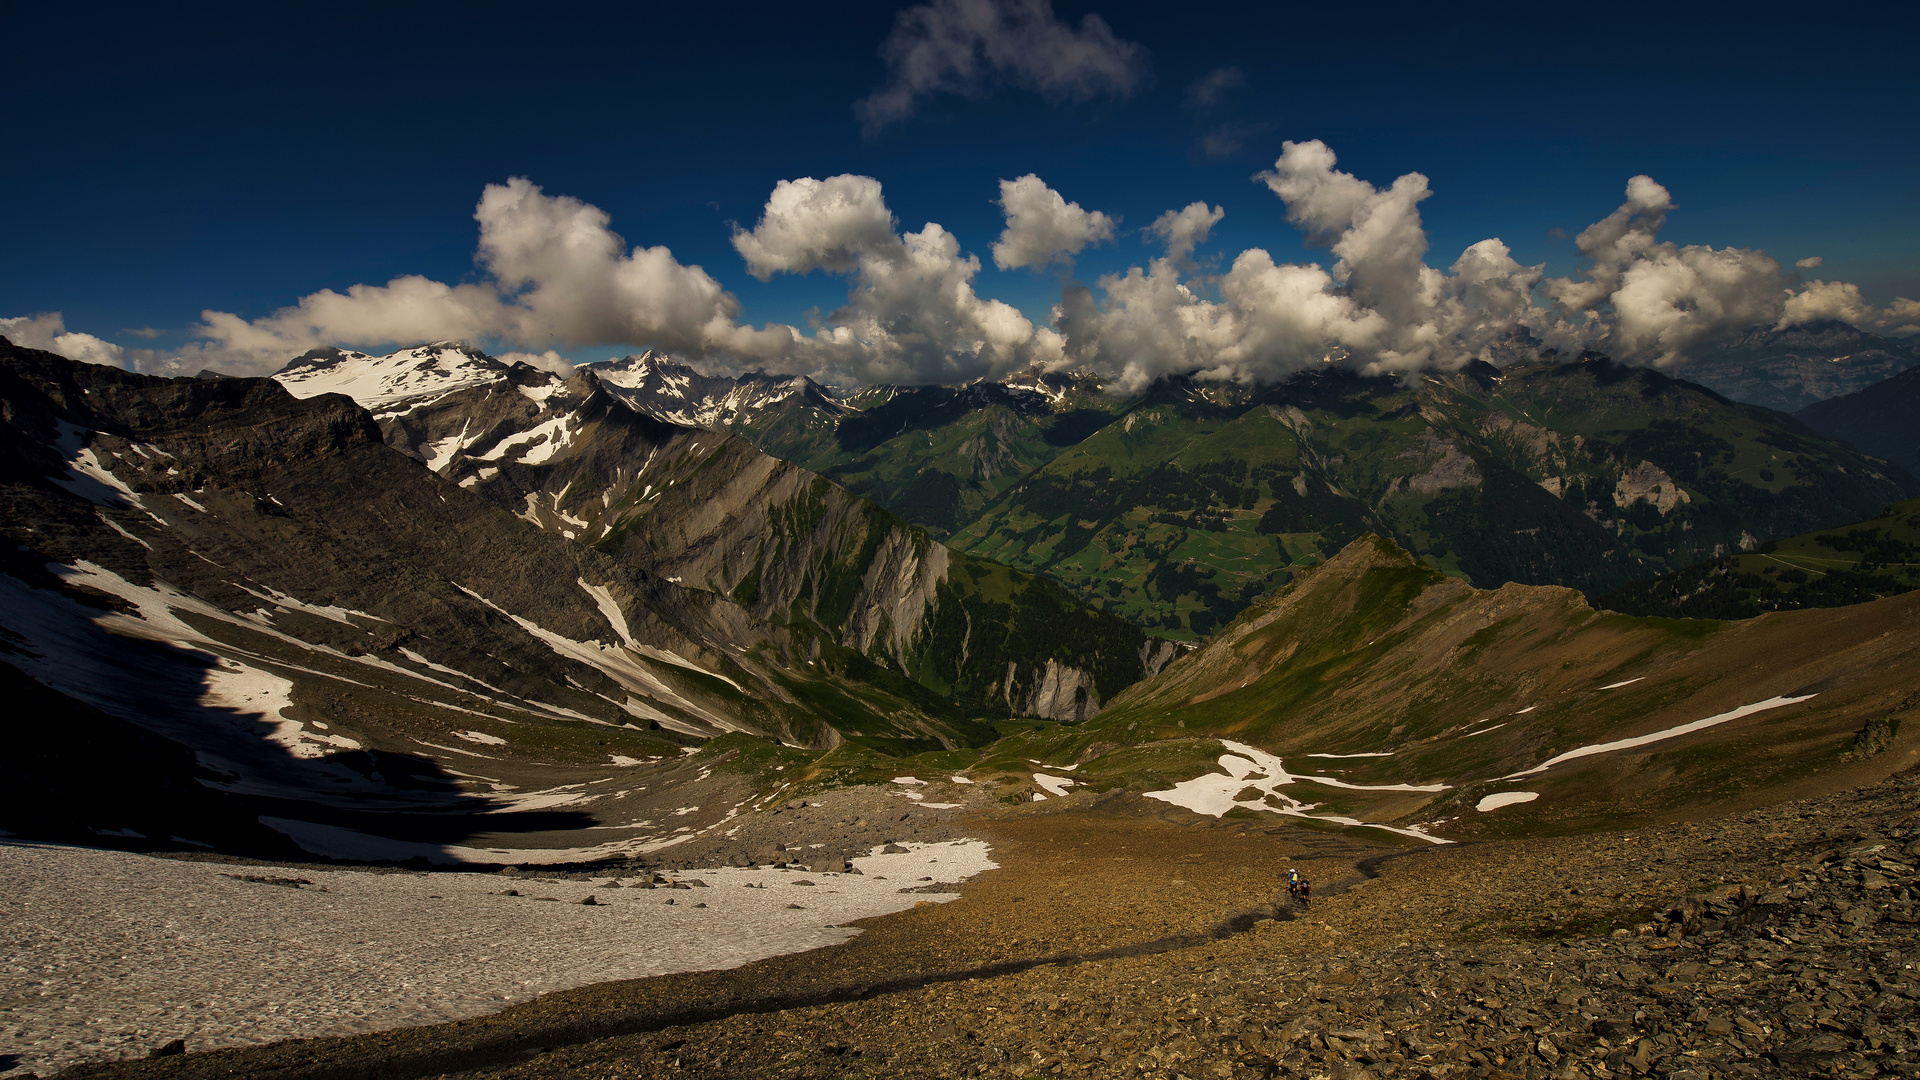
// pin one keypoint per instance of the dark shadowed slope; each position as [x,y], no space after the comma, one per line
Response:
[1882,419]
[383,663]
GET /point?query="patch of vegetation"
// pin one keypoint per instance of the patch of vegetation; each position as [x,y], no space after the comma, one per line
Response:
[1854,564]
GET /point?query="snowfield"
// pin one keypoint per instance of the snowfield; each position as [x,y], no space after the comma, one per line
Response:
[110,954]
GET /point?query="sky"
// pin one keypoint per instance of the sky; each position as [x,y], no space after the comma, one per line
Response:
[583,182]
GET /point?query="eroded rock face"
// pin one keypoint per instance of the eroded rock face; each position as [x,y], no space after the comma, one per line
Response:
[1649,482]
[705,510]
[1451,469]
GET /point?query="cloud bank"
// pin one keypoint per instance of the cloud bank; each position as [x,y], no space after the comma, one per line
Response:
[1380,307]
[969,47]
[555,276]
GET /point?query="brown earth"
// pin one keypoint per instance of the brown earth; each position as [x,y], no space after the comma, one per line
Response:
[1122,940]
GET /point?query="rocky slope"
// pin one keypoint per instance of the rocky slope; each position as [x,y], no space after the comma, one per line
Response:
[1375,689]
[1777,942]
[1879,419]
[874,599]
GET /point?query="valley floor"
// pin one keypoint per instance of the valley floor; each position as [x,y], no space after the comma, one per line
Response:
[1121,938]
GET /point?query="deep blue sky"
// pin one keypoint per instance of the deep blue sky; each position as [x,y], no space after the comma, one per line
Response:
[166,161]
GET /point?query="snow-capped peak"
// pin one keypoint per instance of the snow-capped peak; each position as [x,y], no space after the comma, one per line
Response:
[387,384]
[677,393]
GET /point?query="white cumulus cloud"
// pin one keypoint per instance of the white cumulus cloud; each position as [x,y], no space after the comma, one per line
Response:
[1043,227]
[1182,230]
[556,274]
[1841,300]
[968,47]
[1381,308]
[49,332]
[912,314]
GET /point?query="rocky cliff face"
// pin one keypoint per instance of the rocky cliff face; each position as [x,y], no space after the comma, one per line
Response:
[707,511]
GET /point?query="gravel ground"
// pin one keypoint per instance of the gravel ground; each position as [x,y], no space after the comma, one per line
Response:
[1120,940]
[1778,943]
[109,954]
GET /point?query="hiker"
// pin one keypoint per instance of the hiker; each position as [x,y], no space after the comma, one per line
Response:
[1293,881]
[1306,893]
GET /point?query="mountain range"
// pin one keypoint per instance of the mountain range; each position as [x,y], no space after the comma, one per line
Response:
[1790,369]
[434,605]
[1179,506]
[383,631]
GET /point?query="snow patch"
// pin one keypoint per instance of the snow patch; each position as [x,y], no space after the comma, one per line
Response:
[1505,798]
[608,607]
[1214,794]
[1669,733]
[1056,785]
[480,737]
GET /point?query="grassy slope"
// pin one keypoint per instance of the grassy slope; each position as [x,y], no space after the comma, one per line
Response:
[1186,509]
[934,455]
[1374,652]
